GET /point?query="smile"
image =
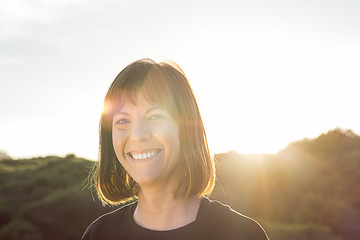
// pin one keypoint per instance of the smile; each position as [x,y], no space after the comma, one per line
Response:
[143,155]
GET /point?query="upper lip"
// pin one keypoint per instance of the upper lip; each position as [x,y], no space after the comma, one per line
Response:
[132,153]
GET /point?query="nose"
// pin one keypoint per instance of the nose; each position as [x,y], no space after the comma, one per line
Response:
[139,131]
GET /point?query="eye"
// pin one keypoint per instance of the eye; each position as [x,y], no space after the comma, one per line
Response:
[122,121]
[157,117]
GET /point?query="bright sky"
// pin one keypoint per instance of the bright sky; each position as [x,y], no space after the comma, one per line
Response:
[265,73]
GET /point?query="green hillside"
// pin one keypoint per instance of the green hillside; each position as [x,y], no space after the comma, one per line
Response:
[309,190]
[46,198]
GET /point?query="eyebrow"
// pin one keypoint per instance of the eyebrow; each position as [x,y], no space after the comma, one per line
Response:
[152,109]
[146,112]
[122,113]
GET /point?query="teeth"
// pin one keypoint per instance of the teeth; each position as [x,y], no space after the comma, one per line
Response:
[144,155]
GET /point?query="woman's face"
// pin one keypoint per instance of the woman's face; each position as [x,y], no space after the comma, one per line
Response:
[146,142]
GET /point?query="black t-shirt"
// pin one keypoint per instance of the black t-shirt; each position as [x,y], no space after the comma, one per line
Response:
[214,221]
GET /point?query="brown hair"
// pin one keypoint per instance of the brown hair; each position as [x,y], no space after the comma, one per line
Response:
[166,85]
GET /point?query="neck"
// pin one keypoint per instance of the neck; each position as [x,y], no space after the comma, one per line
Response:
[159,210]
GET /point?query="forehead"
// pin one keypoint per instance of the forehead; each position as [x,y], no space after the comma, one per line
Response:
[140,103]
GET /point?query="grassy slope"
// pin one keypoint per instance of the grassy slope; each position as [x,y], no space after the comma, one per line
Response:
[46,198]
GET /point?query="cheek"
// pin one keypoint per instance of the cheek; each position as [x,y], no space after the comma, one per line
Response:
[175,141]
[171,137]
[118,144]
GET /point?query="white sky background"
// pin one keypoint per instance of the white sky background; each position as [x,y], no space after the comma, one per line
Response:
[265,73]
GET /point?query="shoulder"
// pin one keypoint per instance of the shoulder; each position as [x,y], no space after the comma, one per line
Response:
[110,224]
[226,220]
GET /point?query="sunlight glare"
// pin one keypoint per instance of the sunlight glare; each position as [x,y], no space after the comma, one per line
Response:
[249,97]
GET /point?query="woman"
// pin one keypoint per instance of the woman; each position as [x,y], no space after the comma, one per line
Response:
[154,154]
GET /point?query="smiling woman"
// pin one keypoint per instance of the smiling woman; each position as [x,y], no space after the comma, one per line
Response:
[146,142]
[154,152]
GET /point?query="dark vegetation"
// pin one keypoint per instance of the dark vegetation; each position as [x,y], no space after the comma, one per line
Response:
[46,198]
[309,190]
